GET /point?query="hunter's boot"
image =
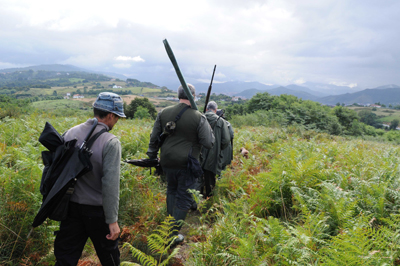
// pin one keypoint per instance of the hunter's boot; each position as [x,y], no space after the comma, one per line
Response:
[179,216]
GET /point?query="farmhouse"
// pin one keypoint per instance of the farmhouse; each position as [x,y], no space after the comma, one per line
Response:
[117,87]
[235,98]
[77,96]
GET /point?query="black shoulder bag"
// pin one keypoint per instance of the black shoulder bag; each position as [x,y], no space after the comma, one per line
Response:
[61,211]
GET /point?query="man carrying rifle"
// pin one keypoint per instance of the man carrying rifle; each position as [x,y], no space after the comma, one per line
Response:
[93,207]
[212,158]
[185,131]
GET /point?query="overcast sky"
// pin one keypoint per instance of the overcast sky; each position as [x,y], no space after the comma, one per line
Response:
[343,42]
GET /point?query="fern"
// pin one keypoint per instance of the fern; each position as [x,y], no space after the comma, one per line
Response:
[159,244]
[361,245]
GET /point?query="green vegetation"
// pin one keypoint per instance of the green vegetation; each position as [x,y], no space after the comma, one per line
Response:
[140,108]
[61,106]
[320,187]
[303,197]
[383,115]
[286,110]
[159,244]
[44,79]
[142,196]
[10,107]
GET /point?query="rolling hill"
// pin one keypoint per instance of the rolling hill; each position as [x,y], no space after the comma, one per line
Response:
[389,94]
[62,68]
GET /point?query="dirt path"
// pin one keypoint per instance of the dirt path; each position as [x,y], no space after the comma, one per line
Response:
[192,222]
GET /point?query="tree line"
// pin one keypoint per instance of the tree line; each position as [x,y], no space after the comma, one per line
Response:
[289,110]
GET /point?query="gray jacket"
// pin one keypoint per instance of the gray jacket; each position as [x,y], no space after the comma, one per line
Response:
[99,187]
[227,153]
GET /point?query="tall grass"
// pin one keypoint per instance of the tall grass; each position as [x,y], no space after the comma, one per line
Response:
[141,200]
[301,198]
[305,198]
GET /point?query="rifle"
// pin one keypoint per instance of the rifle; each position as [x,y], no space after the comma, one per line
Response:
[180,76]
[209,90]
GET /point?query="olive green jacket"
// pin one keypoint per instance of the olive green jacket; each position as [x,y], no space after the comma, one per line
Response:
[227,153]
[212,158]
[192,131]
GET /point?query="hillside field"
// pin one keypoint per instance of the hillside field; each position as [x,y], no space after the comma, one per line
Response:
[64,90]
[385,115]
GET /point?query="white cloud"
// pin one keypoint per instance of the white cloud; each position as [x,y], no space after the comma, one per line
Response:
[249,42]
[345,84]
[129,58]
[300,81]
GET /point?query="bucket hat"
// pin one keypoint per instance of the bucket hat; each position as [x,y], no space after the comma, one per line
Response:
[110,102]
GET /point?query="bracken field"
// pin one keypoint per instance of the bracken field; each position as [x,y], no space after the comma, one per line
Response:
[301,198]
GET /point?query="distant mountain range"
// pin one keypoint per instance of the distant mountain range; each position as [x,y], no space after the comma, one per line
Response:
[388,94]
[62,68]
[233,87]
[323,93]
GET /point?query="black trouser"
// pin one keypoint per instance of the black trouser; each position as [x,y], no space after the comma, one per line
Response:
[84,221]
[179,181]
[209,183]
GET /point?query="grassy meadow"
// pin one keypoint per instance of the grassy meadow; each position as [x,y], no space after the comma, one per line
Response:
[301,198]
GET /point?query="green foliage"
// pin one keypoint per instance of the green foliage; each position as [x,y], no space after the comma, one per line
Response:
[303,197]
[362,244]
[394,124]
[11,107]
[137,83]
[268,110]
[159,244]
[369,118]
[133,107]
[346,116]
[142,113]
[45,79]
[142,196]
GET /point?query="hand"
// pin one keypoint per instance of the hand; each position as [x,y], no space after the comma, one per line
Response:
[114,231]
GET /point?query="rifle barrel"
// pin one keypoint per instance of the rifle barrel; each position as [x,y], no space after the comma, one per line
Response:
[209,90]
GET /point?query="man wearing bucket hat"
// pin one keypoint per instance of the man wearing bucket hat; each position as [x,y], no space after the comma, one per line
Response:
[93,207]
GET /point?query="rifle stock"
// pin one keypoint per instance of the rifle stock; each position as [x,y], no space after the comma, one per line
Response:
[209,90]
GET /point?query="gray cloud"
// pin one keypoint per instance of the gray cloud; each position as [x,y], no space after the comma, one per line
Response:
[267,41]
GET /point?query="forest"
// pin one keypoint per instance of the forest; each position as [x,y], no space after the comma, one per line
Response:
[319,187]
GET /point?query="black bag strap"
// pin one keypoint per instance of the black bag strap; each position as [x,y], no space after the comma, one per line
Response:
[162,136]
[93,139]
[181,113]
[215,123]
[178,116]
[88,145]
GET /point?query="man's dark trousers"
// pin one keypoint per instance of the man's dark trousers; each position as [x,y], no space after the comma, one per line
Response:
[85,221]
[209,183]
[178,183]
